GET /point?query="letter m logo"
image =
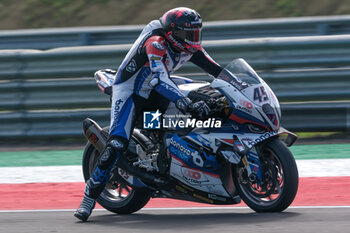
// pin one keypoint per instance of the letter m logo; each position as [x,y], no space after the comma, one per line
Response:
[151,120]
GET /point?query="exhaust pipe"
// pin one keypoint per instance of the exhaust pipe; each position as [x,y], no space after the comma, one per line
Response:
[92,132]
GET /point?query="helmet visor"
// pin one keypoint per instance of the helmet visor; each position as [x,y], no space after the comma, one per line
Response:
[192,36]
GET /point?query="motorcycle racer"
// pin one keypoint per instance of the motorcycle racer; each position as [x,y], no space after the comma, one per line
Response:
[163,46]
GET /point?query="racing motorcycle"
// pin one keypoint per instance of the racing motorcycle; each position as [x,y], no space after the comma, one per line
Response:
[245,157]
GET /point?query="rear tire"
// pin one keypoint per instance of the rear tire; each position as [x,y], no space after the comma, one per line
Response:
[282,172]
[117,197]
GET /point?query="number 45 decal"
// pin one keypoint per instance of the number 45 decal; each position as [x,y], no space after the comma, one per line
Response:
[260,94]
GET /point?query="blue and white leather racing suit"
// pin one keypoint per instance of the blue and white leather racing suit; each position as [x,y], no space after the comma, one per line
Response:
[147,66]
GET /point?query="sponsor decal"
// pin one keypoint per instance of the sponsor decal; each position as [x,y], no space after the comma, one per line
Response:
[192,181]
[172,89]
[154,58]
[180,147]
[253,141]
[156,64]
[192,174]
[177,43]
[246,104]
[125,175]
[177,153]
[185,154]
[93,138]
[246,139]
[157,45]
[116,109]
[239,145]
[151,120]
[243,109]
[202,140]
[131,67]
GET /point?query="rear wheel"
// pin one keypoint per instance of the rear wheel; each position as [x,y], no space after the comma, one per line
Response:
[279,183]
[118,196]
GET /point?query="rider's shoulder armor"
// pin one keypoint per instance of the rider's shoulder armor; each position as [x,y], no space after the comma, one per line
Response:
[155,45]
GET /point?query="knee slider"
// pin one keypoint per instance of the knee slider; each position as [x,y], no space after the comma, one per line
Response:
[112,152]
[116,144]
[154,81]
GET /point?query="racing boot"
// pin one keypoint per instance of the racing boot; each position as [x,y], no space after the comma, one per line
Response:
[98,180]
[85,208]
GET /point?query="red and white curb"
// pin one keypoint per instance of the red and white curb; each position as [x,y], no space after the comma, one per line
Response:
[323,183]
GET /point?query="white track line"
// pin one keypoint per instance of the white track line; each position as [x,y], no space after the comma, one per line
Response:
[59,174]
[177,208]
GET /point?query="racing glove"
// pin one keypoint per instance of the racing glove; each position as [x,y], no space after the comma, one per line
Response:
[199,109]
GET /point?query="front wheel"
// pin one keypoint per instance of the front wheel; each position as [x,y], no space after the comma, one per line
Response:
[117,196]
[279,183]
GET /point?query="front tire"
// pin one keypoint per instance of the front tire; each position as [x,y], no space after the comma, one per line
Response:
[117,197]
[280,179]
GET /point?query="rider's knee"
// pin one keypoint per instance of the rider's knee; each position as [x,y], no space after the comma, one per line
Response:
[114,149]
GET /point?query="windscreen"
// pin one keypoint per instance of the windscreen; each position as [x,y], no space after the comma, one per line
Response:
[239,74]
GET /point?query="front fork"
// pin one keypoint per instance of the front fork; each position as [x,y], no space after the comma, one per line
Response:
[252,166]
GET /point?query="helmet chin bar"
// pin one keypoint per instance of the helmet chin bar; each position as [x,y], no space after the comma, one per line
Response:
[181,47]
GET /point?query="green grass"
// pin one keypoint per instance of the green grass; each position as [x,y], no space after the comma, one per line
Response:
[41,158]
[324,151]
[303,135]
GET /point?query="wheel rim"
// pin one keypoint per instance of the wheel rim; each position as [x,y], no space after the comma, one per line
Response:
[115,191]
[271,189]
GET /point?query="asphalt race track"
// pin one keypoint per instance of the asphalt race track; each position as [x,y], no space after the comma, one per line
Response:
[295,219]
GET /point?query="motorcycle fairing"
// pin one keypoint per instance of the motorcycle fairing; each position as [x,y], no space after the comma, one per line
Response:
[249,93]
[179,190]
[194,167]
[105,79]
[130,179]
